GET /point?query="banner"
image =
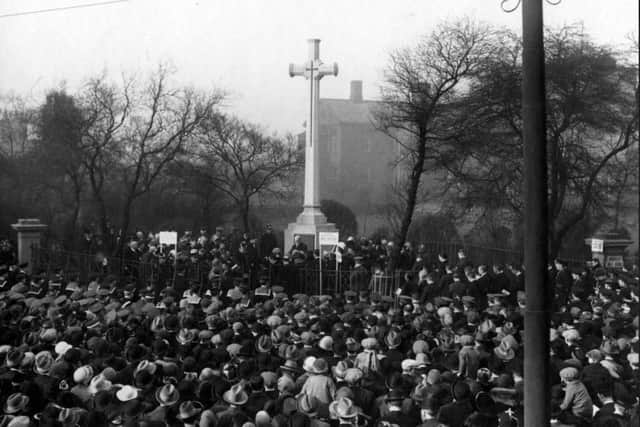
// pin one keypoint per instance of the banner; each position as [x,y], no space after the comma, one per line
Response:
[169,238]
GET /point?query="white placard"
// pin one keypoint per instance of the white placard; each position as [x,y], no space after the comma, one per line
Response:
[328,238]
[169,238]
[597,245]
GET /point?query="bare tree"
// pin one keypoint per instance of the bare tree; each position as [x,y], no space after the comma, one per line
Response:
[243,163]
[592,117]
[422,86]
[133,133]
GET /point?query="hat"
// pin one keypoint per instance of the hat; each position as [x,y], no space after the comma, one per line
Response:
[167,395]
[408,364]
[62,347]
[395,395]
[235,395]
[264,344]
[43,362]
[269,378]
[343,408]
[99,383]
[353,375]
[20,421]
[15,403]
[504,351]
[595,354]
[609,347]
[352,345]
[433,377]
[320,366]
[189,409]
[285,384]
[83,374]
[185,336]
[127,393]
[505,396]
[307,365]
[326,343]
[369,343]
[48,335]
[340,369]
[420,346]
[571,335]
[569,373]
[290,365]
[292,353]
[68,416]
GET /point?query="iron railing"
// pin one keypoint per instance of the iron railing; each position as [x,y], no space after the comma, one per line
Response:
[310,279]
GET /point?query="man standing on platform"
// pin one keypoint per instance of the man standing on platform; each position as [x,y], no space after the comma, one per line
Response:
[298,252]
[359,278]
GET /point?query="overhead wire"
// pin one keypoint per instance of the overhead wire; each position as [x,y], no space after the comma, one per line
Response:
[56,9]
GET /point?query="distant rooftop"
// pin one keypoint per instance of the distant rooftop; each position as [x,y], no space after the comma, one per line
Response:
[351,110]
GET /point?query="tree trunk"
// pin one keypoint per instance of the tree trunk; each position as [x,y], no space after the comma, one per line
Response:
[412,189]
[124,225]
[245,214]
[72,236]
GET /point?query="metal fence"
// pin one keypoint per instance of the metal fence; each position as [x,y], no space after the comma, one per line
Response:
[310,280]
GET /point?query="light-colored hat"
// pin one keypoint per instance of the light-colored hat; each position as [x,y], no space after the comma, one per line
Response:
[569,373]
[340,369]
[235,395]
[99,383]
[43,362]
[307,365]
[146,365]
[167,395]
[326,343]
[189,409]
[343,408]
[83,374]
[15,403]
[408,364]
[20,421]
[127,393]
[62,347]
[353,375]
[369,343]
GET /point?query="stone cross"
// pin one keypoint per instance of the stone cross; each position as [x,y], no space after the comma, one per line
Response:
[312,70]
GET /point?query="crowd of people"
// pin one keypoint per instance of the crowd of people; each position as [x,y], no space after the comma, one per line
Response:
[446,349]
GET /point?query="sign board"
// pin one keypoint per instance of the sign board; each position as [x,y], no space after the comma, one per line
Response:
[328,238]
[169,238]
[614,261]
[597,245]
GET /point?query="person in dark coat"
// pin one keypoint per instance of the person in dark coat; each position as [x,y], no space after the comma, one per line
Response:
[395,415]
[455,413]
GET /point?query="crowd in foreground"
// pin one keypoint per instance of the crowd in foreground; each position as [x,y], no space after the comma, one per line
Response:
[446,350]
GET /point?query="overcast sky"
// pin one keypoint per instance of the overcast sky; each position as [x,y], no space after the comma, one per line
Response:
[245,46]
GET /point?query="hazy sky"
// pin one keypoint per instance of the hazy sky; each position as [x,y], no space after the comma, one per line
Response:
[245,46]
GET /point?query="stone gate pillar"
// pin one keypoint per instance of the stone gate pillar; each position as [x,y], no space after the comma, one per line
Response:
[30,231]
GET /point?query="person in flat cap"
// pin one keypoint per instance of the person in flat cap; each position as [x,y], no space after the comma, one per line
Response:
[577,406]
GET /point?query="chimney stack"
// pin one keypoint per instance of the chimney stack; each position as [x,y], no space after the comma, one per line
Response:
[356,91]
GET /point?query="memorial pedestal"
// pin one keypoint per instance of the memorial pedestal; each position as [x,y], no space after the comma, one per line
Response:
[30,232]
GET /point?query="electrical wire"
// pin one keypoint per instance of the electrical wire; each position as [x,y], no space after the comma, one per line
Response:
[55,9]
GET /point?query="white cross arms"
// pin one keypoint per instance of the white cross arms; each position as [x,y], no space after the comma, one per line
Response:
[313,68]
